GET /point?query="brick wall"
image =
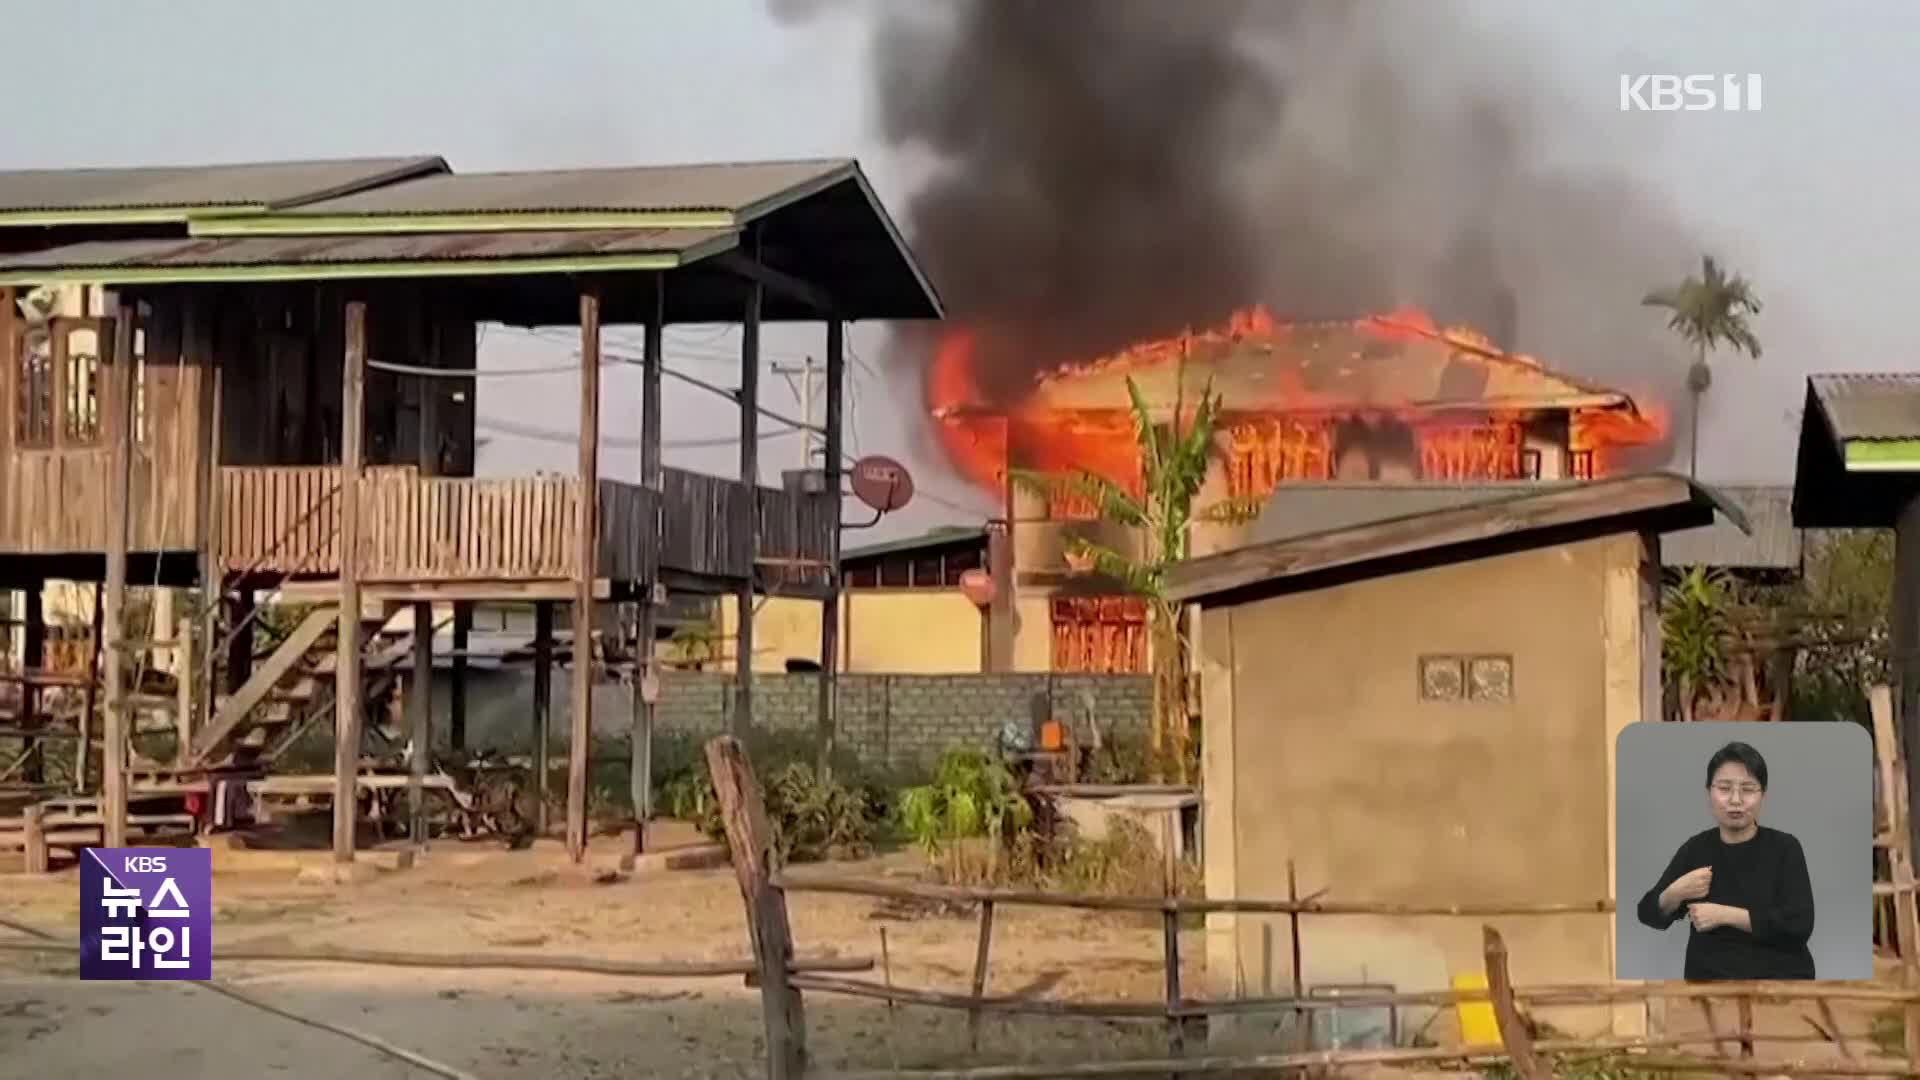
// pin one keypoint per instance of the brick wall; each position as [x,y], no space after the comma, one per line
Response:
[887,720]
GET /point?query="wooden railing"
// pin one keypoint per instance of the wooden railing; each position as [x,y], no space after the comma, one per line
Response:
[697,534]
[462,528]
[285,520]
[280,519]
[796,533]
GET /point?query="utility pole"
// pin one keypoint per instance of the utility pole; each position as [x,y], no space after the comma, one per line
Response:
[805,393]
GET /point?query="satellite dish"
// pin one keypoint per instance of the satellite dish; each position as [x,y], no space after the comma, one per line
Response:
[882,483]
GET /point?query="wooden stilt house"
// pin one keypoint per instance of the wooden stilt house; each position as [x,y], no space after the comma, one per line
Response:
[272,386]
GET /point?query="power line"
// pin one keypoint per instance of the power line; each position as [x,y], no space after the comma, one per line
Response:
[733,394]
[470,373]
[545,434]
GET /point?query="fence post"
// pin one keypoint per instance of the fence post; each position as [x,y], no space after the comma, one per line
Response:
[34,839]
[1513,1031]
[1301,1020]
[1906,938]
[980,972]
[1176,1040]
[750,844]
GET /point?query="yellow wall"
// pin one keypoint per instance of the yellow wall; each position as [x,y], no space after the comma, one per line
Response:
[914,631]
[933,631]
[1319,750]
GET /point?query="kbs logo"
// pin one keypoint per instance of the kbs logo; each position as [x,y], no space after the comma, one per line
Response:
[1689,93]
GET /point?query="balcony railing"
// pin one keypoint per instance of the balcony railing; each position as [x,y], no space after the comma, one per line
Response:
[285,520]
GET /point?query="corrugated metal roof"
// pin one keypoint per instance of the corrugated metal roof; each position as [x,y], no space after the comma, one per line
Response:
[1304,509]
[1547,512]
[1774,543]
[106,258]
[940,537]
[270,184]
[1869,406]
[728,187]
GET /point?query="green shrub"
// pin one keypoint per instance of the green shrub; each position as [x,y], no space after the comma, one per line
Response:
[970,795]
[813,816]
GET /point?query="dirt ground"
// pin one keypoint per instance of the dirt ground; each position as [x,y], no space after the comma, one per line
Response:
[507,1025]
[501,1025]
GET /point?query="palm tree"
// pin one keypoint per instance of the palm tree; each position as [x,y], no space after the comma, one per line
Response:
[1708,311]
[1173,467]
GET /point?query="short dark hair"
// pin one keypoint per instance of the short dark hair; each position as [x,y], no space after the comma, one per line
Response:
[1741,754]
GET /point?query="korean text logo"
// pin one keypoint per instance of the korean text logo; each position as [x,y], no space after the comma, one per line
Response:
[146,913]
[1689,93]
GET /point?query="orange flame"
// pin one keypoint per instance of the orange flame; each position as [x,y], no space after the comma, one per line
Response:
[977,438]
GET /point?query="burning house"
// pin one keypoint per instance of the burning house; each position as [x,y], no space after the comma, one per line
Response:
[1387,399]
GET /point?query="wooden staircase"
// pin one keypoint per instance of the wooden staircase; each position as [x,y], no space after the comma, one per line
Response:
[292,688]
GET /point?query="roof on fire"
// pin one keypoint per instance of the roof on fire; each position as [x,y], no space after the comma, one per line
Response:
[1859,453]
[1770,542]
[818,235]
[1512,521]
[1370,362]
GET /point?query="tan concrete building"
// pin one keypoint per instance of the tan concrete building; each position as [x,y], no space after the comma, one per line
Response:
[1421,712]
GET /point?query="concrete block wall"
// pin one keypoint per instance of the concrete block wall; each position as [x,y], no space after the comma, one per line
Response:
[888,721]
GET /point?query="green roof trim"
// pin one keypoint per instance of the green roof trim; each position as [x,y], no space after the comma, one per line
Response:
[285,223]
[1882,455]
[268,272]
[131,215]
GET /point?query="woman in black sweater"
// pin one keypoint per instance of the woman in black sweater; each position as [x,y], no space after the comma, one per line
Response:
[1743,887]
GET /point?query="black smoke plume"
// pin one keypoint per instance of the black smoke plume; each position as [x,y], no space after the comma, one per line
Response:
[1104,170]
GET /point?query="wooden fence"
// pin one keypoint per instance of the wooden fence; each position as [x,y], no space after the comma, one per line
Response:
[764,892]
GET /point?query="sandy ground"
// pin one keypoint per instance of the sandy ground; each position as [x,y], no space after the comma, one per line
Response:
[513,1025]
[504,1025]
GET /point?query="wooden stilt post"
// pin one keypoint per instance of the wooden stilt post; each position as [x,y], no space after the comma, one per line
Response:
[542,710]
[186,663]
[457,697]
[420,723]
[750,843]
[33,658]
[830,603]
[346,672]
[198,355]
[1904,632]
[240,649]
[646,678]
[122,374]
[420,687]
[746,511]
[586,552]
[83,747]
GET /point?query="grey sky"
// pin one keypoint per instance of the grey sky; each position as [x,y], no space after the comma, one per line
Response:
[1811,197]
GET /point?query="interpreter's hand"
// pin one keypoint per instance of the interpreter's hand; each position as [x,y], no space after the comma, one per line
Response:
[1692,885]
[1712,916]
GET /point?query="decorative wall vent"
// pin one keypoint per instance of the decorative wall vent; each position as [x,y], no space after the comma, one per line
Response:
[1484,678]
